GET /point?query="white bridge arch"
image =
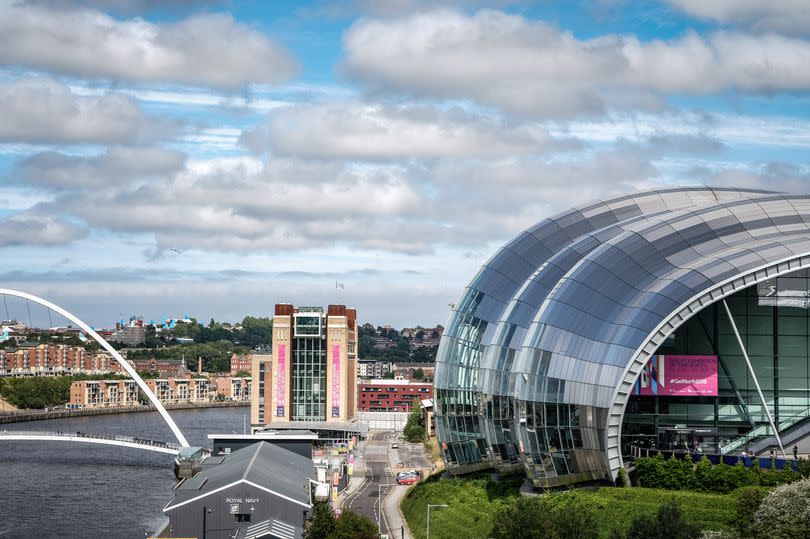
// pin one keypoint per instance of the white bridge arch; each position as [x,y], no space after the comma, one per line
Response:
[112,351]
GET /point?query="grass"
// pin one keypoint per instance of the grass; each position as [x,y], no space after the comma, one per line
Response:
[473,504]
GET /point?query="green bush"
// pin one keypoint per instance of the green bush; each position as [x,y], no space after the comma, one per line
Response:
[676,474]
[546,517]
[748,501]
[621,478]
[669,523]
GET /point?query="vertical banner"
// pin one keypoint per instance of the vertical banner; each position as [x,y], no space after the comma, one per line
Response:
[335,380]
[281,379]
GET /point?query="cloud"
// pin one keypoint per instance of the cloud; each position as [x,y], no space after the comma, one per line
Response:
[776,176]
[292,205]
[782,16]
[117,165]
[129,7]
[359,131]
[208,49]
[43,111]
[530,67]
[28,228]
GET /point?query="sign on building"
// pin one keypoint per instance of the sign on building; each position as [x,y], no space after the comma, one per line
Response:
[678,376]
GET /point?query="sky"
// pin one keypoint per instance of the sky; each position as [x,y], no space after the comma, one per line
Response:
[164,158]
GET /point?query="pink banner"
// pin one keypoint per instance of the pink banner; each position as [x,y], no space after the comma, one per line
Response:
[335,380]
[281,378]
[678,376]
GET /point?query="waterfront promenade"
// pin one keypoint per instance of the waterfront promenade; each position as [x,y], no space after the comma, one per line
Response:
[41,415]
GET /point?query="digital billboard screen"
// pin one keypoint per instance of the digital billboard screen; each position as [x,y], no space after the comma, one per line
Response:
[678,376]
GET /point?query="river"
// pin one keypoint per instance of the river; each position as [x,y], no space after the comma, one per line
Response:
[64,489]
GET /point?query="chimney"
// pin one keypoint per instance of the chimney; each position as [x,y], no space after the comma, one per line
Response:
[199,364]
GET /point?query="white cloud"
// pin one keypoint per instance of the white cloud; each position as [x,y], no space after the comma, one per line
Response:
[208,50]
[731,130]
[116,166]
[42,111]
[526,66]
[29,228]
[784,16]
[358,131]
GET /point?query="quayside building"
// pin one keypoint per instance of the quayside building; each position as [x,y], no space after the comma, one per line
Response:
[658,319]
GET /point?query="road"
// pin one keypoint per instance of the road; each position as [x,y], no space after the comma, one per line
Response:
[378,474]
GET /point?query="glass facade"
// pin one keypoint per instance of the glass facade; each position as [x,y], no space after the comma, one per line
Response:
[308,376]
[536,363]
[774,322]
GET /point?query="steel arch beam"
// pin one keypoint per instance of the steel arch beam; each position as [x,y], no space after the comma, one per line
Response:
[678,317]
[113,352]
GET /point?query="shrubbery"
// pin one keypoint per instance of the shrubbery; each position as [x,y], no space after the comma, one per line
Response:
[546,517]
[677,474]
[784,513]
[668,523]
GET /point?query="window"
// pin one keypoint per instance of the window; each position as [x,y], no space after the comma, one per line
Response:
[241,517]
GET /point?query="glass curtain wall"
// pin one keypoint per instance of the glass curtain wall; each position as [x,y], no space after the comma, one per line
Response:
[308,379]
[774,323]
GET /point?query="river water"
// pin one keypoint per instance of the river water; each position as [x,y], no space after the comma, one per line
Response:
[64,489]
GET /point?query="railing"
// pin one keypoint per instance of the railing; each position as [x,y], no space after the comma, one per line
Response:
[765,430]
[731,460]
[79,434]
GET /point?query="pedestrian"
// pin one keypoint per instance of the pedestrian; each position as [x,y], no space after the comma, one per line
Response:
[795,452]
[771,453]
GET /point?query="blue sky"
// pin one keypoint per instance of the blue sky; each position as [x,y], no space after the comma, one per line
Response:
[282,147]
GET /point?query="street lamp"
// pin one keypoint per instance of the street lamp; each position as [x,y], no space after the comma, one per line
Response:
[428,516]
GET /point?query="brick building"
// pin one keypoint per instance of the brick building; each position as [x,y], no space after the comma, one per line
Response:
[103,394]
[55,359]
[391,395]
[165,368]
[241,363]
[233,388]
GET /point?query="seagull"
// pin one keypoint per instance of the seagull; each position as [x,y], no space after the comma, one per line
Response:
[338,285]
[176,251]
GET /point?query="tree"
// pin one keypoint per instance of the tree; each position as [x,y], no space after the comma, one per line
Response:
[419,374]
[524,518]
[349,525]
[322,523]
[414,429]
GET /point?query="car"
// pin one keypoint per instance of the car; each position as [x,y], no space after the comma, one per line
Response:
[394,445]
[407,480]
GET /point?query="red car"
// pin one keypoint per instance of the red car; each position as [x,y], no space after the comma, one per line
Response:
[407,480]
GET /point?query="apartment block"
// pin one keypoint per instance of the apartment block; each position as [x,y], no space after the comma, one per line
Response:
[392,395]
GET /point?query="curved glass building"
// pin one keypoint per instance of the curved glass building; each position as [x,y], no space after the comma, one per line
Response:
[605,327]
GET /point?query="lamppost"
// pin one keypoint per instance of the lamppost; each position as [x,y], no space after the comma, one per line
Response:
[428,516]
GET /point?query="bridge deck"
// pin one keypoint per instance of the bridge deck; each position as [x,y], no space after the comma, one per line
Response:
[120,441]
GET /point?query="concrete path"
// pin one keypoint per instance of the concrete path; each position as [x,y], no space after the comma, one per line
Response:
[398,528]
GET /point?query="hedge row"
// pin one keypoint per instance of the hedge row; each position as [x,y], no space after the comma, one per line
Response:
[677,474]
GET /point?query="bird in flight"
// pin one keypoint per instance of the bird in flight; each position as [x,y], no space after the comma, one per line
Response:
[176,251]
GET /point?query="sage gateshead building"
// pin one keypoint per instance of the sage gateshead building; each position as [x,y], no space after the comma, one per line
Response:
[662,319]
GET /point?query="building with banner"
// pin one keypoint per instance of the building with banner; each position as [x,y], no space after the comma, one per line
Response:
[666,319]
[311,376]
